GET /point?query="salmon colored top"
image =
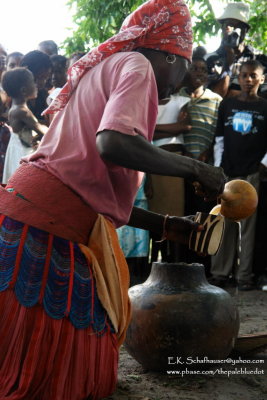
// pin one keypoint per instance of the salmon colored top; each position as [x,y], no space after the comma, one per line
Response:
[119,94]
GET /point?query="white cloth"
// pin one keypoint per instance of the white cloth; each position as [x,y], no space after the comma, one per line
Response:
[218,150]
[15,151]
[52,96]
[168,114]
[264,160]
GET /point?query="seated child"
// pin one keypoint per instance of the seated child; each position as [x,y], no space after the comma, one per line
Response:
[26,130]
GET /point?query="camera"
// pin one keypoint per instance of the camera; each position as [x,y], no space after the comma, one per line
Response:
[233,39]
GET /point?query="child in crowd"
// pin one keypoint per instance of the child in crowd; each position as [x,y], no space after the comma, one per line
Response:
[75,57]
[13,60]
[59,75]
[241,144]
[4,130]
[40,65]
[48,47]
[20,86]
[135,244]
[59,70]
[201,110]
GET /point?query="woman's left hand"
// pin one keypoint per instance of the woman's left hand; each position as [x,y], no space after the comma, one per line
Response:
[178,229]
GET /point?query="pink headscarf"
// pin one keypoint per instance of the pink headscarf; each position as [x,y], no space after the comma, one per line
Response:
[163,25]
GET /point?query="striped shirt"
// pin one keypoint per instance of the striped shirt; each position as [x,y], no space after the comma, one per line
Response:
[203,112]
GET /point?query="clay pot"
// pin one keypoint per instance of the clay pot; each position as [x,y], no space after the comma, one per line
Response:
[177,313]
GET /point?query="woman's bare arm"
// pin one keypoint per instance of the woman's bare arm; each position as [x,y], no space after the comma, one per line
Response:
[136,153]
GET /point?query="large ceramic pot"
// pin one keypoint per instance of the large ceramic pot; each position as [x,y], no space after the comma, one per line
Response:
[177,314]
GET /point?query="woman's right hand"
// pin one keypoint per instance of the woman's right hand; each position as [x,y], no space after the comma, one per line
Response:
[210,181]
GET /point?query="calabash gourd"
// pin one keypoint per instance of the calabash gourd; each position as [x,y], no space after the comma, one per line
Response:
[238,201]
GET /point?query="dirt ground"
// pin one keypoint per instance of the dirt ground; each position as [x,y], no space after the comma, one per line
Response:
[248,383]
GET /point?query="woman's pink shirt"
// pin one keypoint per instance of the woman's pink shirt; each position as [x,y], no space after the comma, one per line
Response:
[119,94]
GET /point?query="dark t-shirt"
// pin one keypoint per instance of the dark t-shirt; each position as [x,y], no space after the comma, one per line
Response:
[38,105]
[244,127]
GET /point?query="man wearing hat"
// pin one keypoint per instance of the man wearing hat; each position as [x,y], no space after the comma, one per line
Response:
[224,63]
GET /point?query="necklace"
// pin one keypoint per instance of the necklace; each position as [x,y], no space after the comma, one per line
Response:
[196,98]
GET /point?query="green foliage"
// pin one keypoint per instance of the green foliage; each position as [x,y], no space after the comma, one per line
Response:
[97,20]
[204,23]
[258,32]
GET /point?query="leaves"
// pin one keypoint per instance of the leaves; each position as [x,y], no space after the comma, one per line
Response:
[97,20]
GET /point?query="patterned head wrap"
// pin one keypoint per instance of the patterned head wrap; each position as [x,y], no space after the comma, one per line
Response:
[163,25]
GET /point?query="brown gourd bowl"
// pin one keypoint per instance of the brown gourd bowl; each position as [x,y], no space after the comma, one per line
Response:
[238,201]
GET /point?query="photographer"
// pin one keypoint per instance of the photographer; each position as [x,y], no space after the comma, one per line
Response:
[224,63]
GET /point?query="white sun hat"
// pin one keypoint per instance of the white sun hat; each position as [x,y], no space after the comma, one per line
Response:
[239,11]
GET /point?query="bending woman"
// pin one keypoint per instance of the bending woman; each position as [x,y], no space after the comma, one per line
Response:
[64,306]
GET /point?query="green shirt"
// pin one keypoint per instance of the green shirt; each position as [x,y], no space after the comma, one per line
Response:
[203,113]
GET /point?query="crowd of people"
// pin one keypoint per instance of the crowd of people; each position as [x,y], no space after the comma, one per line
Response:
[21,106]
[110,150]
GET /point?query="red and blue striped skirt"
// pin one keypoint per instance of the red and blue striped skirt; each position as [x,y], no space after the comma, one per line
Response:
[57,342]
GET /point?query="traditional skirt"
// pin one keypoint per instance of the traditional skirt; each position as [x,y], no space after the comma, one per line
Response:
[59,321]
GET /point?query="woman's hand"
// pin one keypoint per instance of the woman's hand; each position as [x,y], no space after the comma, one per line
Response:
[210,182]
[173,228]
